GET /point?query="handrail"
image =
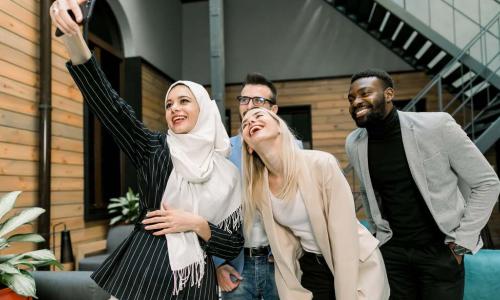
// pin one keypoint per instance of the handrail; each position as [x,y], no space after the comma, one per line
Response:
[451,64]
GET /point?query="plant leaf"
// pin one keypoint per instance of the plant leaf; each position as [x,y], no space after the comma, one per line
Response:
[3,243]
[25,263]
[8,268]
[5,258]
[22,284]
[26,237]
[36,255]
[25,216]
[115,219]
[7,202]
[113,205]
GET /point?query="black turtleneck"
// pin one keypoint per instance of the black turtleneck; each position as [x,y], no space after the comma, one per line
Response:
[401,202]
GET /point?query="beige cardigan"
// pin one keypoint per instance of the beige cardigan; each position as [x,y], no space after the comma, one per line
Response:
[349,249]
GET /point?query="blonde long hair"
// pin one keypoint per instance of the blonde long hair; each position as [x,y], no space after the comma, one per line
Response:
[254,172]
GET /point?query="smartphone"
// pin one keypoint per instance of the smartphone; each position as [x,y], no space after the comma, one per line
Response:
[86,8]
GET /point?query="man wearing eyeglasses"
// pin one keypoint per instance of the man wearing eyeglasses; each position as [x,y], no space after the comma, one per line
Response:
[251,274]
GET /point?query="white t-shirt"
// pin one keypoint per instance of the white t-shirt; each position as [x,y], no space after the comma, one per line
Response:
[293,214]
[258,237]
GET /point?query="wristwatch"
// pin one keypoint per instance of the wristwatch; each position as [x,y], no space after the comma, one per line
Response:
[459,250]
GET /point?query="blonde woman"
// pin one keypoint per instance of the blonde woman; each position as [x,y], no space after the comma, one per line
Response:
[320,249]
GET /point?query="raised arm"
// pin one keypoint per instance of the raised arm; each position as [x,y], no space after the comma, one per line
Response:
[115,114]
[78,50]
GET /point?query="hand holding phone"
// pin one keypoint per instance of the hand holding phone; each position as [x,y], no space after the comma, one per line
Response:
[86,8]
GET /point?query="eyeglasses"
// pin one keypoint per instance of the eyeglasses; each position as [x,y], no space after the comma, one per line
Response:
[257,101]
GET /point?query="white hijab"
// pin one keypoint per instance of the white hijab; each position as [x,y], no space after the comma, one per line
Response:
[204,182]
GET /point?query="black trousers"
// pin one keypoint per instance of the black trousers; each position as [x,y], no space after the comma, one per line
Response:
[426,272]
[316,276]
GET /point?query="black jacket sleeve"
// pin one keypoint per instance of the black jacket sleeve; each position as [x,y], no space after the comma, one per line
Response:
[114,113]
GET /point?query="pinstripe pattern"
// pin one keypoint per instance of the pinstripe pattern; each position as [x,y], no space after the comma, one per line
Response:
[140,268]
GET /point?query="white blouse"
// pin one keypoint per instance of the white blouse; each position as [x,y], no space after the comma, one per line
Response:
[258,237]
[293,214]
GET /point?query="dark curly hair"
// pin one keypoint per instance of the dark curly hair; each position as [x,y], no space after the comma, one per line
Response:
[380,74]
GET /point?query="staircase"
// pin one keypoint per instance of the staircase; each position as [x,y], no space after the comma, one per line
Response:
[472,79]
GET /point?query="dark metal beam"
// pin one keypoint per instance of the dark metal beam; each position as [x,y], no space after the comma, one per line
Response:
[45,128]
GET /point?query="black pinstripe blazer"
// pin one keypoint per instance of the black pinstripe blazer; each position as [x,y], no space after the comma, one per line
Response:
[140,268]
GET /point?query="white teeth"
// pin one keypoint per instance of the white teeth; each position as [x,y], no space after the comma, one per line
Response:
[361,111]
[178,118]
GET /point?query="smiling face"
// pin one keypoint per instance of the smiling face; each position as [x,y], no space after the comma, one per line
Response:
[258,126]
[181,109]
[369,102]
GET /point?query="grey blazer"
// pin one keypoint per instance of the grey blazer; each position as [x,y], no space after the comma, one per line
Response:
[457,183]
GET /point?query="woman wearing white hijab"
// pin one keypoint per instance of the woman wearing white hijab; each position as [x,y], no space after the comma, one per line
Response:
[191,191]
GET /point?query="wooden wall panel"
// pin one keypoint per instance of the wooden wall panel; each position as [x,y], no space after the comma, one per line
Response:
[19,84]
[331,121]
[154,88]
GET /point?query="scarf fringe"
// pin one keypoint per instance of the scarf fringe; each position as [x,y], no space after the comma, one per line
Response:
[232,222]
[193,274]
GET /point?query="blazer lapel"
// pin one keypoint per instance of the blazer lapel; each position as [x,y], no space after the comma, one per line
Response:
[413,156]
[365,175]
[316,212]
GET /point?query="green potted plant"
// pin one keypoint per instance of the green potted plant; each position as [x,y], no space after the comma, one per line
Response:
[15,276]
[126,207]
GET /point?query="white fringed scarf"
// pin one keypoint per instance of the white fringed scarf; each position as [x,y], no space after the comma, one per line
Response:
[203,181]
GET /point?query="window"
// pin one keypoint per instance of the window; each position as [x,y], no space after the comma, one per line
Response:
[104,162]
[298,119]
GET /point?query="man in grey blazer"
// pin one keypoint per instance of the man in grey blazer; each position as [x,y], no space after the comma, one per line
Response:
[427,190]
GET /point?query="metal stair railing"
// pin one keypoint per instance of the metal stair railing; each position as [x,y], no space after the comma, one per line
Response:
[475,61]
[482,55]
[466,101]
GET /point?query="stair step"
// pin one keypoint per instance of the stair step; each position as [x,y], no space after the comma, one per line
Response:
[415,45]
[456,74]
[390,26]
[402,36]
[429,55]
[376,17]
[441,64]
